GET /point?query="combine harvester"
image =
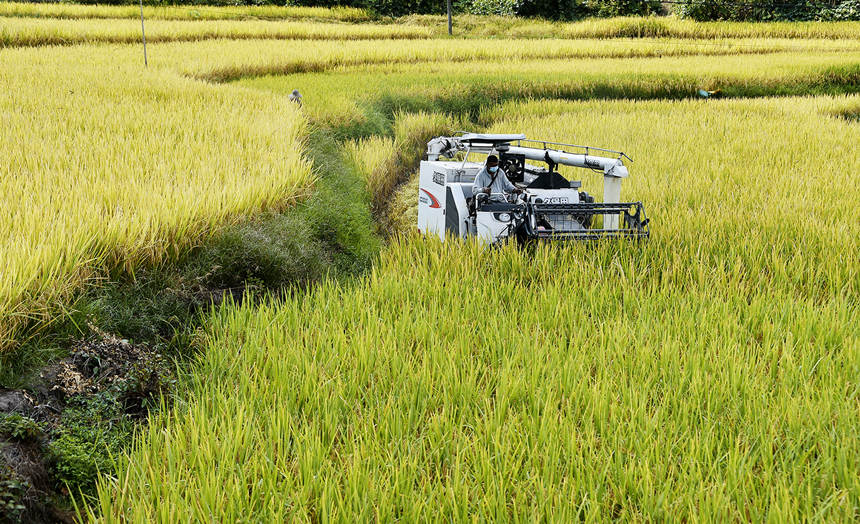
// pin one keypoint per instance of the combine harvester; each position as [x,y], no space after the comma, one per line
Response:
[549,207]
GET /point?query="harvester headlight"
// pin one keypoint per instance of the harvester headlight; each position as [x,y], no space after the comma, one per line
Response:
[505,217]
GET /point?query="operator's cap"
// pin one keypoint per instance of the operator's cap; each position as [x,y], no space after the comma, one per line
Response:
[492,159]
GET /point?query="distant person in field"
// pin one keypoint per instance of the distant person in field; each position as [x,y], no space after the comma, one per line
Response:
[493,181]
[296,97]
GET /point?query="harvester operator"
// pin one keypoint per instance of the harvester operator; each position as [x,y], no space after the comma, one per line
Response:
[493,181]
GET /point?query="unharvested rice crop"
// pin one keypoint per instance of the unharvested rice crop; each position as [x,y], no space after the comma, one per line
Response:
[707,374]
[385,162]
[245,59]
[342,92]
[40,122]
[181,12]
[111,167]
[637,27]
[36,32]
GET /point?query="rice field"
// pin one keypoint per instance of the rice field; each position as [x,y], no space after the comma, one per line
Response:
[181,12]
[110,168]
[709,374]
[41,32]
[639,27]
[340,91]
[697,376]
[467,25]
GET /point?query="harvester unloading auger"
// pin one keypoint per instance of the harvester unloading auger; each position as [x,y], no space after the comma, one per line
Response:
[549,207]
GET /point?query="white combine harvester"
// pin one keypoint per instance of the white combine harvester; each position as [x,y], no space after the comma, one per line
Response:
[550,206]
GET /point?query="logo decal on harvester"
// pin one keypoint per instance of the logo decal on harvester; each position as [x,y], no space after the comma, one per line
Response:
[434,203]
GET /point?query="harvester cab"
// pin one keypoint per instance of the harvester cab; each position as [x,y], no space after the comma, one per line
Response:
[549,206]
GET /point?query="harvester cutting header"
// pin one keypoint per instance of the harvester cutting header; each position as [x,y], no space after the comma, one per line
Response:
[509,197]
